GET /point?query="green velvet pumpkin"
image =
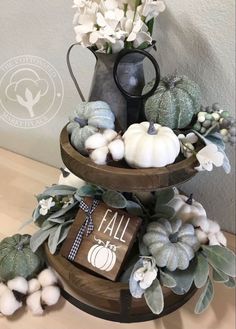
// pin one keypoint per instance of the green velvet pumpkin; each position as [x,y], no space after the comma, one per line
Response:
[17,259]
[172,243]
[86,120]
[174,103]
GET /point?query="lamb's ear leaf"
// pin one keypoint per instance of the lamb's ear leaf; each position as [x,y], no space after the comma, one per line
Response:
[163,197]
[114,199]
[86,191]
[205,298]
[154,297]
[201,271]
[230,283]
[219,276]
[221,258]
[38,238]
[184,279]
[167,280]
[53,239]
[134,208]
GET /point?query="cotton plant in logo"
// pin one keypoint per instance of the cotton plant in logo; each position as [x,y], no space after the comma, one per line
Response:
[26,88]
[102,255]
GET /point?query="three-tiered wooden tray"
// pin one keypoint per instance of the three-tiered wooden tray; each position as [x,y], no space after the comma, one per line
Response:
[92,293]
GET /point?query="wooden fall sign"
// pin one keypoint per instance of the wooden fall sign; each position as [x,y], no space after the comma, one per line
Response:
[110,236]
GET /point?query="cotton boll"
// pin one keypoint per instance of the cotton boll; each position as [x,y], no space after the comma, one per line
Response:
[201,222]
[47,277]
[3,288]
[117,149]
[33,303]
[34,285]
[8,303]
[95,141]
[50,295]
[213,227]
[213,240]
[99,156]
[221,238]
[201,236]
[18,284]
[109,135]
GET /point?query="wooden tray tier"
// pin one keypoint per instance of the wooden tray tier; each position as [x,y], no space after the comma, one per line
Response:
[106,299]
[118,176]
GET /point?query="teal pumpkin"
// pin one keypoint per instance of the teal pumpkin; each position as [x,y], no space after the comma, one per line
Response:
[79,135]
[97,114]
[174,102]
[86,120]
[172,243]
[17,259]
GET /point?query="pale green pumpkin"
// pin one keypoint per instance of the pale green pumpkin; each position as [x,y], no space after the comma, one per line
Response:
[78,135]
[172,243]
[17,259]
[174,102]
[86,120]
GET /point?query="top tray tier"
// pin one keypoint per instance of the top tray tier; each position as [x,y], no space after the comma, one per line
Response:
[118,176]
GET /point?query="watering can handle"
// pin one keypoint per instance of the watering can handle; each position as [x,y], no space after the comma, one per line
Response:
[71,70]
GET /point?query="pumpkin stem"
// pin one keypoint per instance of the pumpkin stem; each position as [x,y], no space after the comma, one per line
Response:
[152,130]
[64,172]
[82,122]
[190,199]
[22,243]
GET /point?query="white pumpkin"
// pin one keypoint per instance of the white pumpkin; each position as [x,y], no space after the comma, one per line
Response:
[69,179]
[149,145]
[186,208]
[102,256]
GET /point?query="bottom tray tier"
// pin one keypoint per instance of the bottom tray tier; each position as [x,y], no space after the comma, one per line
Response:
[105,299]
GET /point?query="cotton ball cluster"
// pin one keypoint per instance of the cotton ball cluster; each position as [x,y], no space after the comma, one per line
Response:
[104,144]
[12,295]
[43,292]
[208,232]
[37,293]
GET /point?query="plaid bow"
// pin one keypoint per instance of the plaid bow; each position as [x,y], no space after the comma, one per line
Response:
[87,226]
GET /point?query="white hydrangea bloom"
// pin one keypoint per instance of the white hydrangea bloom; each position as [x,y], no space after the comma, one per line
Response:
[109,23]
[146,274]
[208,156]
[45,205]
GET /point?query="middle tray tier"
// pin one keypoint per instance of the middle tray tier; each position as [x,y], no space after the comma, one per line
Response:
[118,176]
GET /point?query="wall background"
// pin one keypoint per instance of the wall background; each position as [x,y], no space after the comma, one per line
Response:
[196,37]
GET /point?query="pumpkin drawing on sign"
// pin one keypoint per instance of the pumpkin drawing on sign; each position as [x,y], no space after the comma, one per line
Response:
[102,255]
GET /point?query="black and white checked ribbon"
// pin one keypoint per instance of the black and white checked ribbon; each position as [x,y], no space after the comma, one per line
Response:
[87,227]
